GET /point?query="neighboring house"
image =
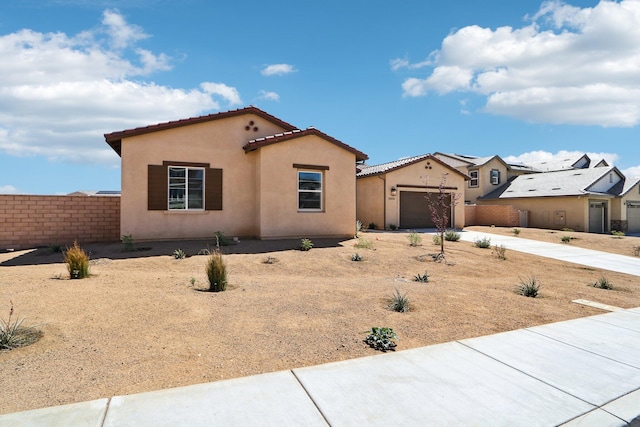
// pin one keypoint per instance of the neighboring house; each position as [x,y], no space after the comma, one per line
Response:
[242,172]
[584,199]
[485,173]
[396,193]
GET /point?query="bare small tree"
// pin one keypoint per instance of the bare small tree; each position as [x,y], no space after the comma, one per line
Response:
[440,205]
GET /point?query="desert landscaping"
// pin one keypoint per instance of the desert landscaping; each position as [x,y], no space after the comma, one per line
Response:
[142,321]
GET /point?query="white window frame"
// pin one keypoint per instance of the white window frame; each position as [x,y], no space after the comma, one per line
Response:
[319,191]
[474,181]
[185,206]
[494,176]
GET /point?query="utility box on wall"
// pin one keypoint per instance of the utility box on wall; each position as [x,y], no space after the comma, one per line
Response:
[559,217]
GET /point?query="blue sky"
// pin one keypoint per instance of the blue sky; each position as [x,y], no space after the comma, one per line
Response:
[529,80]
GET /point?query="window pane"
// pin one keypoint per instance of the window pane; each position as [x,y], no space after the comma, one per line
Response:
[177,188]
[309,181]
[196,187]
[309,200]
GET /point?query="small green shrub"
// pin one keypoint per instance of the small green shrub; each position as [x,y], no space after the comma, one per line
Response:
[359,228]
[451,236]
[529,287]
[423,278]
[565,239]
[382,339]
[13,334]
[192,280]
[179,254]
[373,226]
[77,262]
[393,227]
[500,252]
[415,239]
[221,239]
[516,231]
[436,239]
[363,243]
[127,243]
[306,245]
[356,257]
[216,272]
[617,234]
[483,243]
[55,249]
[569,230]
[399,302]
[603,283]
[636,250]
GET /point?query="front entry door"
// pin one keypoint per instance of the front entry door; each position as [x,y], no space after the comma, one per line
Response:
[597,217]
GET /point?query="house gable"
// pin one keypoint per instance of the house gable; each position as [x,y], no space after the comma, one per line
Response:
[114,139]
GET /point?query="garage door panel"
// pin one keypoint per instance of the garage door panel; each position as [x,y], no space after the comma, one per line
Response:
[414,210]
[633,216]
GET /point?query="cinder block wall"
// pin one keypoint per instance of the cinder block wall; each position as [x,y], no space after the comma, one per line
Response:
[31,221]
[498,215]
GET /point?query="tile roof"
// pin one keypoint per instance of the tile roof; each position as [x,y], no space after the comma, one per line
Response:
[570,182]
[479,161]
[114,139]
[397,164]
[257,143]
[628,185]
[389,166]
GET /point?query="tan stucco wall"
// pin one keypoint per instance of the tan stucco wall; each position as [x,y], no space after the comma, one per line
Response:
[544,212]
[218,142]
[484,180]
[370,193]
[278,189]
[621,208]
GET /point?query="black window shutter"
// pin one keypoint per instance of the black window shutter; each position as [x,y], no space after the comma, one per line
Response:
[157,188]
[213,189]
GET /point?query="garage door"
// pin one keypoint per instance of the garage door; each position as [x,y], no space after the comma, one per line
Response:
[633,217]
[414,210]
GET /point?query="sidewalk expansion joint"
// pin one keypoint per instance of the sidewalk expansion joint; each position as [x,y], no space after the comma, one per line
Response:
[104,417]
[311,398]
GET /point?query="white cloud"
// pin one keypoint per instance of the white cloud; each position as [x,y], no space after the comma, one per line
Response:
[563,159]
[228,93]
[8,189]
[59,93]
[568,65]
[278,70]
[270,96]
[632,172]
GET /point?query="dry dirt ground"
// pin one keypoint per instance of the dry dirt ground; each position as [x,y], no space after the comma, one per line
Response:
[139,324]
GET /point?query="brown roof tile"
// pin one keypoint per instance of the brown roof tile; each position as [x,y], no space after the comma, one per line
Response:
[257,143]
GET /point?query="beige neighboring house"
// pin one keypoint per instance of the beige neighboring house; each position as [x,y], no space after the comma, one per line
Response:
[485,173]
[395,193]
[597,199]
[242,172]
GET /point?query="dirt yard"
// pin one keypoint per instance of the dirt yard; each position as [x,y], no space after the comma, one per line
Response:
[139,324]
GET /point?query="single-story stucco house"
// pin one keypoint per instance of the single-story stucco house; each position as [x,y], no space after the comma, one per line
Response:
[398,193]
[242,172]
[597,199]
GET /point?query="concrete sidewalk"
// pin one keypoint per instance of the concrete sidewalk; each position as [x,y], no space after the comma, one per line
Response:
[583,372]
[562,252]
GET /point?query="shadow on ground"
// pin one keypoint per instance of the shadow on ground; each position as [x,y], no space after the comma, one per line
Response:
[46,255]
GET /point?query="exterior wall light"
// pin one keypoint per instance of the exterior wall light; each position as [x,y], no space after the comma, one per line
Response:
[393,191]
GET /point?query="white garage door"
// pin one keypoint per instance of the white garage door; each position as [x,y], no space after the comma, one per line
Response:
[633,217]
